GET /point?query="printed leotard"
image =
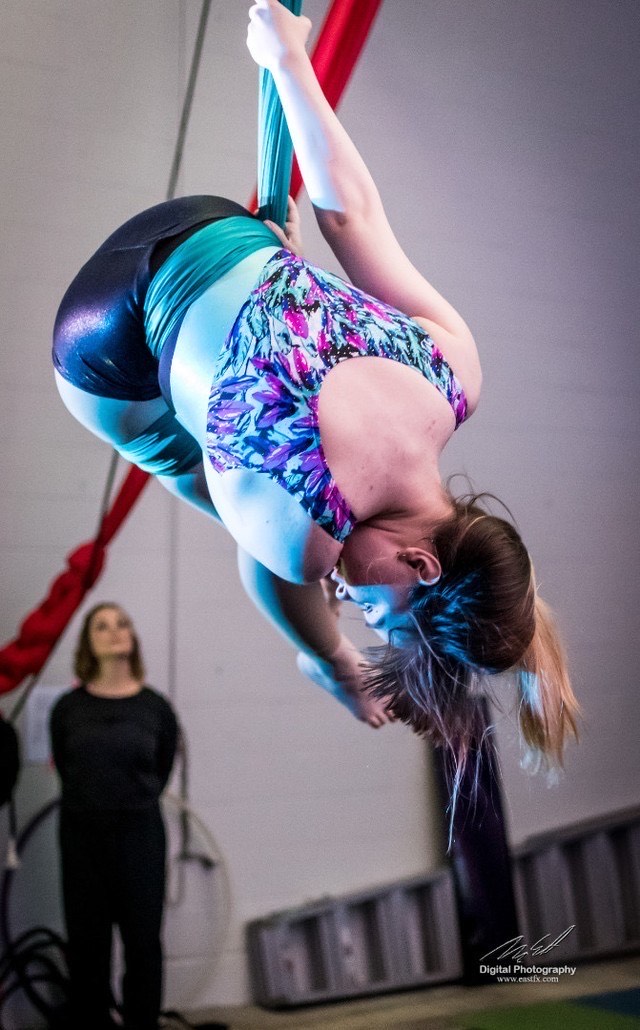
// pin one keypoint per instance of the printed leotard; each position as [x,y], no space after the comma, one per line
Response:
[296,325]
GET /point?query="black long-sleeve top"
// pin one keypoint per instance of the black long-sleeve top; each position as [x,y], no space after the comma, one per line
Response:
[113,754]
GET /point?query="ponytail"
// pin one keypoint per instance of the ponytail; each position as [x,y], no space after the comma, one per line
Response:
[548,708]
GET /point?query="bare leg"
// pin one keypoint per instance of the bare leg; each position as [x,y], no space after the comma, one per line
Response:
[192,487]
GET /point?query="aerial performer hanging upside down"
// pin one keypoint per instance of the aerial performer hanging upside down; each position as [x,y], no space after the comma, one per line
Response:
[308,414]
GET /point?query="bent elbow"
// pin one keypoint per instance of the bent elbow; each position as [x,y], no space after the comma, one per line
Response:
[331,223]
[355,217]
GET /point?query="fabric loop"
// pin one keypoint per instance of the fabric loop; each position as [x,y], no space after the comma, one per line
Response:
[194,266]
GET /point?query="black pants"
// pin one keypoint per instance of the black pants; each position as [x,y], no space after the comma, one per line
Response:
[113,872]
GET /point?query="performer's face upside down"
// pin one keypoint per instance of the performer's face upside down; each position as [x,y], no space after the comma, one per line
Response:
[380,576]
[385,607]
[382,589]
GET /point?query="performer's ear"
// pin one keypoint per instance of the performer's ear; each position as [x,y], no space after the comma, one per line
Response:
[425,563]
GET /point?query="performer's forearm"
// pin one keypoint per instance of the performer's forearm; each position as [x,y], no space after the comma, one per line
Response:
[300,612]
[335,176]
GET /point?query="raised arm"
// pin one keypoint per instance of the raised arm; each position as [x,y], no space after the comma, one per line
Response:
[304,616]
[347,203]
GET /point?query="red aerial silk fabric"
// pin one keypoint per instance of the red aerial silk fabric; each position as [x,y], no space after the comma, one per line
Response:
[339,44]
[40,631]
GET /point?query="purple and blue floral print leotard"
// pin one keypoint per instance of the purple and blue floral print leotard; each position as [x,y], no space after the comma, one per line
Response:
[296,325]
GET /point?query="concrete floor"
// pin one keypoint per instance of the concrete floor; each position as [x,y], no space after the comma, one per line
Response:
[432,1009]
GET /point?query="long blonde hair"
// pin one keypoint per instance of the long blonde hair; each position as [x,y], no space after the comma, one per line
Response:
[548,710]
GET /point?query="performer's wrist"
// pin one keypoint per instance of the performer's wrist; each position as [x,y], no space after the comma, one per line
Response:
[343,650]
[292,62]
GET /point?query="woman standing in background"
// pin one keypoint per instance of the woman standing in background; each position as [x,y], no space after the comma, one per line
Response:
[114,742]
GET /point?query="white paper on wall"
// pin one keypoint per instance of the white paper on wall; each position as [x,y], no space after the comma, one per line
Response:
[37,745]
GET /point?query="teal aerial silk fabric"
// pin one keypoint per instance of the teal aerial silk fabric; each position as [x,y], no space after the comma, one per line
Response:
[194,266]
[275,149]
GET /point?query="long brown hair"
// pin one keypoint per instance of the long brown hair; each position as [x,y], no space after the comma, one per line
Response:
[85,663]
[483,616]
